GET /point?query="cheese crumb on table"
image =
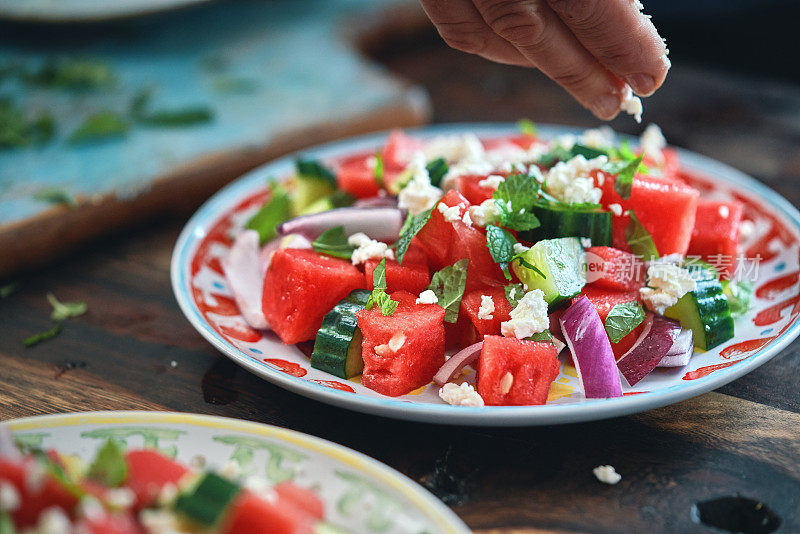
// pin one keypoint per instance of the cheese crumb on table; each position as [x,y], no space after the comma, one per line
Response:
[460,395]
[607,474]
[528,317]
[368,248]
[666,283]
[487,307]
[427,297]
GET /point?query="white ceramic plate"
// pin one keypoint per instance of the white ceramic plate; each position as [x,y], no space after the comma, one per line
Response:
[204,297]
[58,11]
[359,493]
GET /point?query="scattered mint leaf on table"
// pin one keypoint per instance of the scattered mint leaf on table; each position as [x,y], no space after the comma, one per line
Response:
[55,195]
[101,125]
[42,336]
[65,310]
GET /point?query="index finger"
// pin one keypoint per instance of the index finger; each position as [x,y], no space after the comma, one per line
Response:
[623,39]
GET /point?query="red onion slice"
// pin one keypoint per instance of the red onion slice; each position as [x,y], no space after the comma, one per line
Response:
[242,270]
[591,351]
[289,241]
[681,351]
[658,336]
[456,363]
[376,202]
[383,224]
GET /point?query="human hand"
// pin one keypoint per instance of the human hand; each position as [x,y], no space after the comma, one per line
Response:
[592,48]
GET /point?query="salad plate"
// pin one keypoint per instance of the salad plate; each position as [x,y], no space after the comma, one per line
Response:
[761,332]
[358,494]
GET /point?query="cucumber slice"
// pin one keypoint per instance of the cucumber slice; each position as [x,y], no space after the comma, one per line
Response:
[307,191]
[562,268]
[207,502]
[705,311]
[337,349]
[339,199]
[563,220]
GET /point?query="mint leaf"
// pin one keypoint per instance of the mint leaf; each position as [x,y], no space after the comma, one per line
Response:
[544,335]
[437,168]
[378,171]
[411,227]
[587,151]
[739,295]
[500,243]
[380,298]
[102,125]
[448,284]
[515,197]
[379,275]
[274,211]
[639,239]
[528,265]
[311,168]
[9,289]
[514,293]
[622,319]
[333,242]
[625,173]
[42,336]
[526,127]
[65,310]
[109,467]
[554,155]
[54,195]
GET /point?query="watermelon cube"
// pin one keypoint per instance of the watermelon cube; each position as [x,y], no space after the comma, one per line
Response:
[716,233]
[615,269]
[300,287]
[604,301]
[436,237]
[470,243]
[516,372]
[355,175]
[411,277]
[666,208]
[148,472]
[469,186]
[402,351]
[253,513]
[470,308]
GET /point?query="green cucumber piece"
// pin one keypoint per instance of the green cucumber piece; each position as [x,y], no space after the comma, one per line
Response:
[338,199]
[337,349]
[562,268]
[705,311]
[563,220]
[306,191]
[207,502]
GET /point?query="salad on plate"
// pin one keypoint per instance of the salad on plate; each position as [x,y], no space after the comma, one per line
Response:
[426,258]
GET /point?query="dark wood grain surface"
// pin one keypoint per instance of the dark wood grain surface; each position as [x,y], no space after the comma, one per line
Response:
[743,440]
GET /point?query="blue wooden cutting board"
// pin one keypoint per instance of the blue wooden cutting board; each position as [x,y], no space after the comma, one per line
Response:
[276,75]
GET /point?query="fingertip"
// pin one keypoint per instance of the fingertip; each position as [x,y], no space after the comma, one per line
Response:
[605,107]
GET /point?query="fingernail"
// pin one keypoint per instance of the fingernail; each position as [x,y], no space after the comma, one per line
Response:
[606,107]
[642,84]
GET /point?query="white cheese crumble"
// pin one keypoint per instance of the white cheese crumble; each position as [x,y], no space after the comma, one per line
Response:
[492,181]
[724,212]
[419,195]
[519,248]
[586,242]
[9,497]
[460,395]
[120,497]
[466,219]
[666,284]
[607,474]
[747,230]
[89,507]
[485,213]
[454,148]
[487,307]
[598,137]
[616,209]
[571,180]
[368,248]
[652,142]
[53,520]
[528,317]
[631,104]
[427,297]
[451,213]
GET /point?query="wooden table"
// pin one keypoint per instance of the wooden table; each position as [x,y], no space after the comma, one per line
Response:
[743,439]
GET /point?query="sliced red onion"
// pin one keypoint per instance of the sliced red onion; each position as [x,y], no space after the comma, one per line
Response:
[655,341]
[383,224]
[289,241]
[681,351]
[242,270]
[376,202]
[591,351]
[456,363]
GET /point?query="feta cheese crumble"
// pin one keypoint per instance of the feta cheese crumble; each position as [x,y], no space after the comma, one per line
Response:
[368,248]
[747,230]
[460,395]
[487,308]
[652,142]
[586,242]
[451,213]
[631,104]
[485,213]
[598,137]
[492,181]
[9,497]
[571,181]
[419,195]
[466,219]
[528,317]
[666,283]
[616,209]
[519,248]
[427,297]
[725,212]
[607,474]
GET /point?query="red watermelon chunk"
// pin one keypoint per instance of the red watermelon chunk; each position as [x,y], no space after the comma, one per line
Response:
[251,513]
[469,186]
[604,301]
[716,233]
[665,207]
[470,306]
[148,472]
[470,243]
[411,277]
[437,236]
[34,498]
[300,287]
[403,351]
[516,372]
[355,175]
[615,269]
